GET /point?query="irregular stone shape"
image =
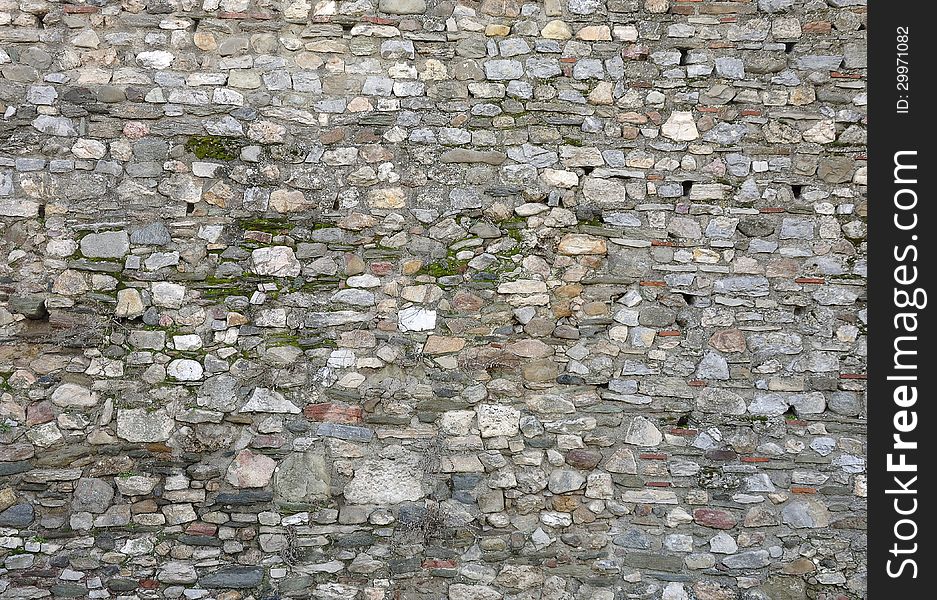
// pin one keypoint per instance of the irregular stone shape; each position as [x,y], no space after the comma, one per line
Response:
[177,573]
[805,514]
[712,366]
[746,285]
[140,425]
[680,127]
[167,294]
[642,432]
[31,306]
[495,420]
[250,470]
[416,318]
[264,400]
[622,461]
[402,7]
[500,70]
[753,559]
[768,405]
[57,126]
[232,578]
[578,244]
[438,344]
[152,234]
[110,244]
[302,478]
[556,30]
[18,515]
[682,227]
[388,198]
[785,588]
[384,482]
[129,304]
[71,395]
[583,459]
[463,591]
[185,369]
[276,261]
[720,401]
[92,495]
[565,480]
[844,403]
[723,543]
[155,59]
[728,340]
[715,518]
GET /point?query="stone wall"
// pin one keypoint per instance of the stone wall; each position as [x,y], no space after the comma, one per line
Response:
[419,299]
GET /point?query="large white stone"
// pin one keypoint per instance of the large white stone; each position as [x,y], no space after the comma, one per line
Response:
[641,432]
[71,395]
[140,425]
[416,318]
[680,127]
[277,261]
[168,295]
[155,59]
[185,369]
[495,420]
[269,401]
[383,482]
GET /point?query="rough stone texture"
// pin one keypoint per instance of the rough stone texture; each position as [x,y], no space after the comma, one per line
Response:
[425,299]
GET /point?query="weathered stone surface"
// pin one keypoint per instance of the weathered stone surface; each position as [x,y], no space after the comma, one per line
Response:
[302,478]
[805,514]
[232,578]
[421,298]
[680,127]
[139,425]
[92,495]
[110,244]
[384,482]
[278,261]
[264,400]
[250,470]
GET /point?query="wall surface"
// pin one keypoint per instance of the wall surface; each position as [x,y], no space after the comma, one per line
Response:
[419,299]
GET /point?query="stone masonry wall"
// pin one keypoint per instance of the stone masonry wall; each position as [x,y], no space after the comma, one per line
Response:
[432,299]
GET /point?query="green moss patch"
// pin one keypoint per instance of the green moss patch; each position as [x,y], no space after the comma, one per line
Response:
[214,146]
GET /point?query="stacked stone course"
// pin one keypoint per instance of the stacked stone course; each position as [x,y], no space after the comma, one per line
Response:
[432,299]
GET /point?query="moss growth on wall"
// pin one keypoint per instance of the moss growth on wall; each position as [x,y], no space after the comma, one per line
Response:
[214,146]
